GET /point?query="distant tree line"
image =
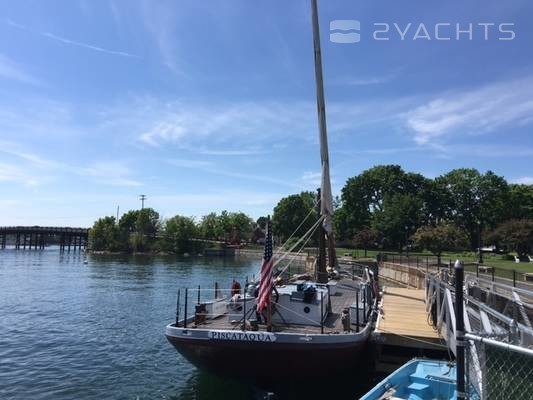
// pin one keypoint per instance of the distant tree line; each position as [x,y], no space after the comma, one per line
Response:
[144,231]
[383,207]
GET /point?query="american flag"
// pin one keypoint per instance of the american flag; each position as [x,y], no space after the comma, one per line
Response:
[265,285]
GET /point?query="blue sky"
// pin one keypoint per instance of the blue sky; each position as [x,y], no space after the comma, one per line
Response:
[210,105]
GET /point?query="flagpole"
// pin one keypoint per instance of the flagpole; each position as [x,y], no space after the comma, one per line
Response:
[269,317]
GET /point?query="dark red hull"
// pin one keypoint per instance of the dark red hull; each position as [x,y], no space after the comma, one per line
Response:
[264,361]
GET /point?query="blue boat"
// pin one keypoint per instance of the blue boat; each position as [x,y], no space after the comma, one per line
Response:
[419,379]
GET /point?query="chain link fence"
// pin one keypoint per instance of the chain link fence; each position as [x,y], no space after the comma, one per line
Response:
[497,370]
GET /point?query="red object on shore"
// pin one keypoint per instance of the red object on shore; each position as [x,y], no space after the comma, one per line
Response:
[235,288]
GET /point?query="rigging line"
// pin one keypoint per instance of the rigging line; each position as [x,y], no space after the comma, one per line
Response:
[296,230]
[298,253]
[309,232]
[299,241]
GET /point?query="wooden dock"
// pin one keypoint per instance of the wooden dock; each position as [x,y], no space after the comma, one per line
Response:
[403,321]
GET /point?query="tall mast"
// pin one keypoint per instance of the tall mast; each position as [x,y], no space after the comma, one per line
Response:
[326,200]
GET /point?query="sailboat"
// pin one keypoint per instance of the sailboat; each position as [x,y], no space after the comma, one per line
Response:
[284,328]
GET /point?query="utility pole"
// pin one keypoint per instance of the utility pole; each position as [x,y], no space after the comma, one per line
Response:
[118,209]
[142,197]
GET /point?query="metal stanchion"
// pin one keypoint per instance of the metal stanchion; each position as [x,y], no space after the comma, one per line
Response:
[178,309]
[459,332]
[185,312]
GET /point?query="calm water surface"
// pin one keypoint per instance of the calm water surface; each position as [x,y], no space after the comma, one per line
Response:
[70,330]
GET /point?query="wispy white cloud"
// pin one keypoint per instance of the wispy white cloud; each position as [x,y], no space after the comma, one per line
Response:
[311,178]
[473,111]
[16,150]
[524,180]
[213,168]
[247,128]
[381,151]
[70,42]
[450,151]
[253,202]
[114,173]
[13,173]
[9,69]
[367,81]
[32,169]
[24,167]
[216,128]
[161,20]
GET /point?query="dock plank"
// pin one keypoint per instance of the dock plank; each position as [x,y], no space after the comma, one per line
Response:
[404,315]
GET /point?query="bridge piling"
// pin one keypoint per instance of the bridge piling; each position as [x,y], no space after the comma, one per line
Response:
[37,237]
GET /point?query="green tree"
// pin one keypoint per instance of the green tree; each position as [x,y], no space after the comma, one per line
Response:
[209,227]
[177,234]
[261,222]
[440,238]
[365,196]
[366,239]
[521,202]
[128,220]
[342,225]
[224,225]
[365,193]
[516,234]
[241,227]
[103,235]
[476,201]
[399,216]
[147,226]
[291,211]
[127,227]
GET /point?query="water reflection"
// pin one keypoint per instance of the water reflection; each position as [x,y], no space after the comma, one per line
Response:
[205,386]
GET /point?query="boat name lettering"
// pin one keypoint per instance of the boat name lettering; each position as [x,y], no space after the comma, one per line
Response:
[243,336]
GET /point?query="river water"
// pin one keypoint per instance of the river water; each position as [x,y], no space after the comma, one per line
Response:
[93,328]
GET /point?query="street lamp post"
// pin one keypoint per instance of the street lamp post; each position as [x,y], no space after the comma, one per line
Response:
[407,242]
[480,243]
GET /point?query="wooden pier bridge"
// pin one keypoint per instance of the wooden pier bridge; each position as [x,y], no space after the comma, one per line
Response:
[38,237]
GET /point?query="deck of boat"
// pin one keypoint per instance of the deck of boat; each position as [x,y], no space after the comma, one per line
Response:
[343,298]
[403,319]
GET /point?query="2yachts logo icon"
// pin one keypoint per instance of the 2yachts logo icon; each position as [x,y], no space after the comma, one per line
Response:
[345,31]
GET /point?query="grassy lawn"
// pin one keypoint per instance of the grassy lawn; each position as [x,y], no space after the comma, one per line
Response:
[493,260]
[498,261]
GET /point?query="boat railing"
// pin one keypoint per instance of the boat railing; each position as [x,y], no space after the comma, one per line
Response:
[200,306]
